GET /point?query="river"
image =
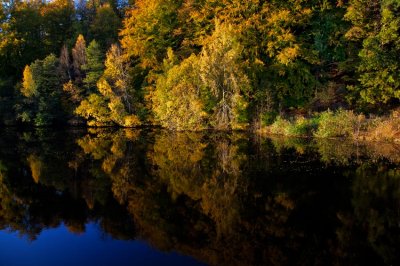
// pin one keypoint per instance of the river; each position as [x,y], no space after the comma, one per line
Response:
[155,197]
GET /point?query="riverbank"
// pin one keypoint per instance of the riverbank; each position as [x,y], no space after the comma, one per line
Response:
[338,124]
[342,124]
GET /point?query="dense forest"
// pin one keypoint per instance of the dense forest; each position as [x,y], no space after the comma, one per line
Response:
[195,64]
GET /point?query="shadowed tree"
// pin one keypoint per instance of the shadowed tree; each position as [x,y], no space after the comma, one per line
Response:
[79,59]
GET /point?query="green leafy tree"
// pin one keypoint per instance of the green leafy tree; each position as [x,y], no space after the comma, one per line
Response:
[95,110]
[94,66]
[377,28]
[58,19]
[105,26]
[20,37]
[41,104]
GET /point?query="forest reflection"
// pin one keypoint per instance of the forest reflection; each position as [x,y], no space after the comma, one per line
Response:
[225,199]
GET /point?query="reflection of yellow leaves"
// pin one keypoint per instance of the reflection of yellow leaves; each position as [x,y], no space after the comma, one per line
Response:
[377,182]
[132,134]
[75,227]
[89,201]
[342,233]
[180,163]
[36,167]
[3,170]
[108,164]
[278,208]
[121,183]
[97,147]
[119,146]
[220,202]
[284,200]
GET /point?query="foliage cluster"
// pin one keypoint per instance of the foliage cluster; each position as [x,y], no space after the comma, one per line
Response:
[191,65]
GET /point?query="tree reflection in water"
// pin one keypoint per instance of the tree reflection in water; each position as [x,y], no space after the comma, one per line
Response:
[225,199]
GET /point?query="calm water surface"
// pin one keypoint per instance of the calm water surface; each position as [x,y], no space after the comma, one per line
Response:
[141,197]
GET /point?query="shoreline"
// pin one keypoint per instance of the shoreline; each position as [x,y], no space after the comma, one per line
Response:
[329,125]
[340,124]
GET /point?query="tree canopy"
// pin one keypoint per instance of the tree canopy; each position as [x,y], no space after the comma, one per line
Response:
[191,65]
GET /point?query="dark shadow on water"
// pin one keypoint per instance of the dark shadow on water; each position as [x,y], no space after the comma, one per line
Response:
[220,198]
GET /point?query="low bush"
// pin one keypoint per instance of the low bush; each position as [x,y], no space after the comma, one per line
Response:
[281,126]
[299,126]
[302,126]
[387,129]
[341,123]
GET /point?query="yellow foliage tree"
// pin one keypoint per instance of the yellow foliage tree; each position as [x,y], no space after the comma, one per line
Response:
[28,84]
[149,29]
[177,102]
[221,72]
[113,103]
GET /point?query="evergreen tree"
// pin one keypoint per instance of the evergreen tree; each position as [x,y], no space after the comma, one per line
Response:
[94,66]
[58,19]
[105,26]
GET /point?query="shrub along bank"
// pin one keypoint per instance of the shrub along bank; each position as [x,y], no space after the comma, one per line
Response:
[338,124]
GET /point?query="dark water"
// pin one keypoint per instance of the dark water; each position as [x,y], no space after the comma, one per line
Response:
[130,197]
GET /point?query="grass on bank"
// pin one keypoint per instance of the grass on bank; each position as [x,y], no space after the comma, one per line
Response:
[338,124]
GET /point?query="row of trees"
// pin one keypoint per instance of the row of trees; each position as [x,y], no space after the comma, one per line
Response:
[195,64]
